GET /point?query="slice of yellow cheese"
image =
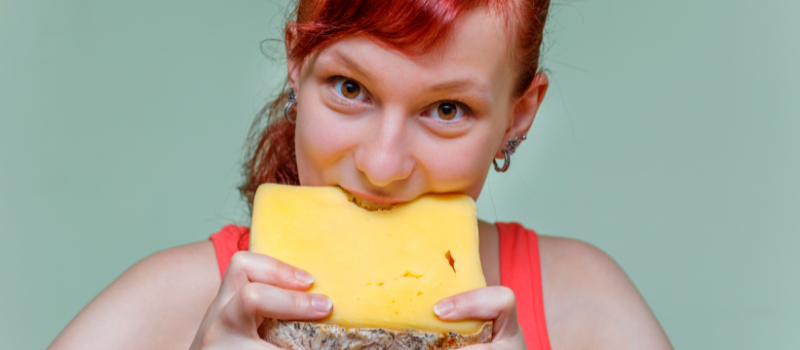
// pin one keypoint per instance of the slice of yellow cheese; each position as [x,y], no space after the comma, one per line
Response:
[382,269]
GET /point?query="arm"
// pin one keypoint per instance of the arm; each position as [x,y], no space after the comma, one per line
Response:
[591,303]
[175,300]
[157,303]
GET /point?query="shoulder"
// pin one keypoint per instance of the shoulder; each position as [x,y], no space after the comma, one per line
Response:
[157,303]
[586,293]
[191,267]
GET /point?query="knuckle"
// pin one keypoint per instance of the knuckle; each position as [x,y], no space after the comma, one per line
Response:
[508,297]
[298,301]
[248,296]
[270,264]
[284,270]
[239,260]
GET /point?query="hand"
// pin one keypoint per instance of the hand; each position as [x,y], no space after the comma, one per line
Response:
[490,303]
[256,287]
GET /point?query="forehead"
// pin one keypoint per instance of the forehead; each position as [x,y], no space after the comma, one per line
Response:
[476,50]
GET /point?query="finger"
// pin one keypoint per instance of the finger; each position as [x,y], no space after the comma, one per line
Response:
[494,345]
[256,301]
[482,303]
[489,346]
[247,267]
[490,303]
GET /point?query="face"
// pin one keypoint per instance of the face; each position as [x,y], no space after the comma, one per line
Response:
[390,127]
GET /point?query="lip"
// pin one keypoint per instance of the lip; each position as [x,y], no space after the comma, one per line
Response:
[373,198]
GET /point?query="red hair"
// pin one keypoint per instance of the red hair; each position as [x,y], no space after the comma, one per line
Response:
[412,26]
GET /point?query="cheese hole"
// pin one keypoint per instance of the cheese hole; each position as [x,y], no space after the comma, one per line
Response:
[358,298]
[450,260]
[380,283]
[397,312]
[392,301]
[369,284]
[419,293]
[410,274]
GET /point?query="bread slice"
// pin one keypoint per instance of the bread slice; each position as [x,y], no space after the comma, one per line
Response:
[294,335]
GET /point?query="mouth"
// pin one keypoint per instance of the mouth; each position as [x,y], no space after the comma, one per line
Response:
[365,204]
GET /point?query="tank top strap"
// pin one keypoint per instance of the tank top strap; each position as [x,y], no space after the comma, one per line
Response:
[229,240]
[520,270]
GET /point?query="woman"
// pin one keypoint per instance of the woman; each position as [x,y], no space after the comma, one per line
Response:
[389,100]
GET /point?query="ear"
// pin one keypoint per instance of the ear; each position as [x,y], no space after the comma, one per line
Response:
[293,67]
[525,109]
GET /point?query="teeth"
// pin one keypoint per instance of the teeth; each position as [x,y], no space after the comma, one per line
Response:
[365,204]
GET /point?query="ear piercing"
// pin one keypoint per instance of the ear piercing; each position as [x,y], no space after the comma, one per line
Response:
[511,147]
[289,105]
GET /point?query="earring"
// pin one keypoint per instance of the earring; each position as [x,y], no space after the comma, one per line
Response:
[511,147]
[289,105]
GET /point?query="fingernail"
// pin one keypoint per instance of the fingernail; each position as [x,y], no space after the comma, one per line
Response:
[303,277]
[443,308]
[321,303]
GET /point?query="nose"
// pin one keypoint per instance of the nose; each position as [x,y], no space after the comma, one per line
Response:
[385,156]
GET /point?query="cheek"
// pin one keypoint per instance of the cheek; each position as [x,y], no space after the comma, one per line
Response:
[321,142]
[458,165]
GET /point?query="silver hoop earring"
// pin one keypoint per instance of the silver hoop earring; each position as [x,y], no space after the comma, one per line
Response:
[289,105]
[506,162]
[511,147]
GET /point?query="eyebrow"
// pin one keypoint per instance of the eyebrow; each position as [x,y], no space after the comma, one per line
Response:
[462,84]
[351,64]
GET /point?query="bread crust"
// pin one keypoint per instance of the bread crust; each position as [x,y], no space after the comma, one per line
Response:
[292,335]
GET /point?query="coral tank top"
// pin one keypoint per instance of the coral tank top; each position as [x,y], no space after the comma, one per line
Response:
[519,270]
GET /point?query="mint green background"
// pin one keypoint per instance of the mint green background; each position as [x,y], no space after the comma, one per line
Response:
[669,139]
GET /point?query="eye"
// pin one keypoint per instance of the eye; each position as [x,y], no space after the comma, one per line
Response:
[447,110]
[349,89]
